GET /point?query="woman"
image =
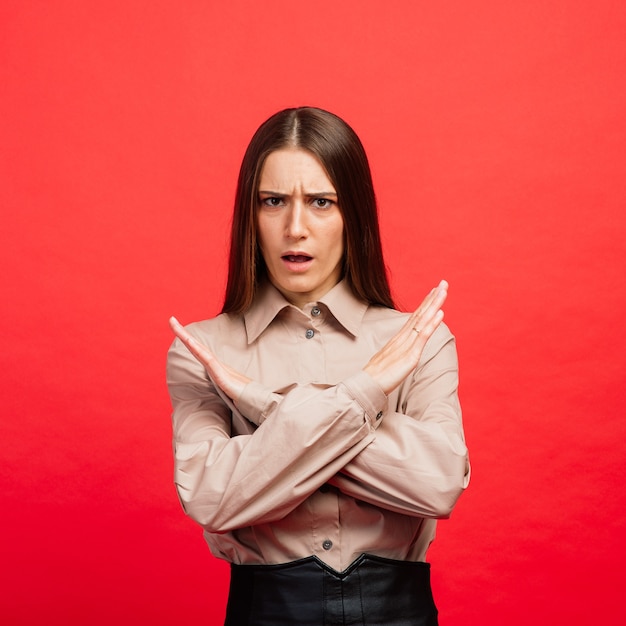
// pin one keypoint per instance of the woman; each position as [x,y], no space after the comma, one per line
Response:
[317,431]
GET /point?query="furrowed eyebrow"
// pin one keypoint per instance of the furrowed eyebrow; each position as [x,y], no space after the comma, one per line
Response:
[317,194]
[310,194]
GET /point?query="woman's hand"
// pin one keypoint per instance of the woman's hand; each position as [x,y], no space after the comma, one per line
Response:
[228,379]
[399,357]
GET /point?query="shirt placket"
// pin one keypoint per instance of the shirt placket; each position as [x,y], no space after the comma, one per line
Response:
[325,506]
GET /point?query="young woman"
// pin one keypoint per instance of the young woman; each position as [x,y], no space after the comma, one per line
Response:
[317,430]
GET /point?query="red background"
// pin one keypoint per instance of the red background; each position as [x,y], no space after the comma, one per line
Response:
[496,133]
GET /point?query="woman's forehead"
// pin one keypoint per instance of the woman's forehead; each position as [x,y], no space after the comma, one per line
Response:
[291,169]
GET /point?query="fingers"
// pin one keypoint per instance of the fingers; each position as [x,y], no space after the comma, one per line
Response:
[428,310]
[401,354]
[226,378]
[432,307]
[434,292]
[199,351]
[423,322]
[437,294]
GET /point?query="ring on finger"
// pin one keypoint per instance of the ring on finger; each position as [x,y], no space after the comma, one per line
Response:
[417,330]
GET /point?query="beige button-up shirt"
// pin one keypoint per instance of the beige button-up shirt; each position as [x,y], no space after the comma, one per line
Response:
[314,458]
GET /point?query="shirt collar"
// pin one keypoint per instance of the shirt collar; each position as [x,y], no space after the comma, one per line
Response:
[345,307]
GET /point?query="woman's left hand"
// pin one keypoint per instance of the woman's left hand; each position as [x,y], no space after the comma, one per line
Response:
[401,354]
[229,380]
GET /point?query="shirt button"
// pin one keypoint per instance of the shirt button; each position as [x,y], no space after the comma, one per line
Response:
[379,415]
[327,545]
[315,311]
[309,333]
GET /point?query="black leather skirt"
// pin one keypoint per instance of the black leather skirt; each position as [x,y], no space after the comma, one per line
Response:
[372,591]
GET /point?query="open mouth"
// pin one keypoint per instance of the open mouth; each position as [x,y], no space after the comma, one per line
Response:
[297,258]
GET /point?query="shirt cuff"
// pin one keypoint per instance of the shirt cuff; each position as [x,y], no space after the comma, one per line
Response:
[370,395]
[255,402]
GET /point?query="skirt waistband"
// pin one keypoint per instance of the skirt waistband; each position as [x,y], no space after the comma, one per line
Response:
[371,591]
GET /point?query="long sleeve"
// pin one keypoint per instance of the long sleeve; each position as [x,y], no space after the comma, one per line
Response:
[313,458]
[226,482]
[418,462]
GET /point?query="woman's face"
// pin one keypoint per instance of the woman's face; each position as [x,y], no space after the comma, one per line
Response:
[300,226]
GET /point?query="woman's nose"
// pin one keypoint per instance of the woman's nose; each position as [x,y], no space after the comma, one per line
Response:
[296,226]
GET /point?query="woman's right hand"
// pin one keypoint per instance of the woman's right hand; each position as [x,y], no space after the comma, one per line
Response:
[229,380]
[401,354]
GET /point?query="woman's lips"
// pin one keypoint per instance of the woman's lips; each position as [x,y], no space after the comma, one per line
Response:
[297,262]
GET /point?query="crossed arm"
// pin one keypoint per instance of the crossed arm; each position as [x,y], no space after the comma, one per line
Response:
[413,466]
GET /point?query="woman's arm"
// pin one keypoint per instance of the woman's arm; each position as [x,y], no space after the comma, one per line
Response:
[306,435]
[226,482]
[418,463]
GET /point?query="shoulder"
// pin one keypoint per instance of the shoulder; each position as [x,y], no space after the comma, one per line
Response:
[211,330]
[217,334]
[383,323]
[379,324]
[384,315]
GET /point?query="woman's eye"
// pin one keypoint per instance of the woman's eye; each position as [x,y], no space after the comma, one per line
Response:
[272,202]
[322,203]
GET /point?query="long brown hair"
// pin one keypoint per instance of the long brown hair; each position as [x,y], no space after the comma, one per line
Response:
[341,153]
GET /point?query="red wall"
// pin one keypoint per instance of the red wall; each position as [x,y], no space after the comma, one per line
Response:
[497,136]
